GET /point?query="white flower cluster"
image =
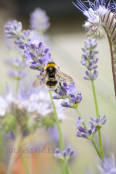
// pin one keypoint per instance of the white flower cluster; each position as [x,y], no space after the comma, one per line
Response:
[35,104]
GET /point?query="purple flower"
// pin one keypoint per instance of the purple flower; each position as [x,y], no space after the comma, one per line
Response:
[89,59]
[79,122]
[12,135]
[39,20]
[13,29]
[17,74]
[82,132]
[70,92]
[29,102]
[16,62]
[53,134]
[24,37]
[92,130]
[69,89]
[108,166]
[65,156]
[97,123]
[37,53]
[96,14]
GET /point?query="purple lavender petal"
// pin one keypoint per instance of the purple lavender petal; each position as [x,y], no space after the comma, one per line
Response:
[86,77]
[78,134]
[66,104]
[32,55]
[87,73]
[95,67]
[97,121]
[57,151]
[89,131]
[79,122]
[81,129]
[104,121]
[84,135]
[33,46]
[68,150]
[92,119]
[71,153]
[103,117]
[64,154]
[92,123]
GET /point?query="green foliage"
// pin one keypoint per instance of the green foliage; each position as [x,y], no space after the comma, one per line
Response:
[31,125]
[10,124]
[48,122]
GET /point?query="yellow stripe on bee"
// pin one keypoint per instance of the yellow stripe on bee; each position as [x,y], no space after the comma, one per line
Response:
[48,86]
[50,64]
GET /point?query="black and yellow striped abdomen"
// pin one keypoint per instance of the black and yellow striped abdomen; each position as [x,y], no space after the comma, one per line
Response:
[51,83]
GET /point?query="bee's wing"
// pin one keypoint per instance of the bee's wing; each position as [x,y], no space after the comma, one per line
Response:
[40,80]
[63,78]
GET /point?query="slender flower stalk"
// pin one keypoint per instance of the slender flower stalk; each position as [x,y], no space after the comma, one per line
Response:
[82,118]
[97,115]
[92,139]
[16,145]
[59,130]
[113,58]
[89,60]
[23,162]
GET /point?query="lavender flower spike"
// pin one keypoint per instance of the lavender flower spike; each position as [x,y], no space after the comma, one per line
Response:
[17,74]
[39,20]
[91,131]
[82,132]
[70,92]
[36,53]
[65,156]
[13,29]
[89,59]
[97,123]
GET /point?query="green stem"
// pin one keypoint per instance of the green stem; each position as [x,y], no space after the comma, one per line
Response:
[82,118]
[92,139]
[59,130]
[112,59]
[16,145]
[97,115]
[16,85]
[96,147]
[66,168]
[13,156]
[57,122]
[23,162]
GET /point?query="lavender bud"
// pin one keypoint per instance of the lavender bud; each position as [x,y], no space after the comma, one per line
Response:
[71,153]
[64,154]
[57,151]
[68,150]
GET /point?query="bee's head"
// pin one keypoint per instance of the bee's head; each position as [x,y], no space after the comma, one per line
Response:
[50,69]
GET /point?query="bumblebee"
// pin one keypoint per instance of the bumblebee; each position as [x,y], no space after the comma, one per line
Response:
[51,77]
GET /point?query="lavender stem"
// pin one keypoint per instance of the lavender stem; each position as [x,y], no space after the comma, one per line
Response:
[92,139]
[97,115]
[59,130]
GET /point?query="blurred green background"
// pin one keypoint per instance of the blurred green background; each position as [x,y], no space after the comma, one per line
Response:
[66,40]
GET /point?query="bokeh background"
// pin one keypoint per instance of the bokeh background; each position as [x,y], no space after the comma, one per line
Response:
[66,39]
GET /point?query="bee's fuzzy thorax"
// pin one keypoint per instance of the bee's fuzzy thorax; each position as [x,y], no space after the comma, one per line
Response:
[51,64]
